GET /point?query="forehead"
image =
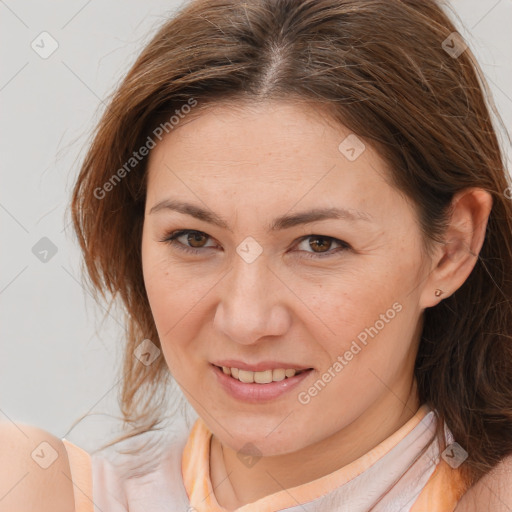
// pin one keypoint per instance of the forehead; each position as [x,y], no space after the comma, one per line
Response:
[279,153]
[288,140]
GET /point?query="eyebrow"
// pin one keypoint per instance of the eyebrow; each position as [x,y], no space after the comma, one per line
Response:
[280,223]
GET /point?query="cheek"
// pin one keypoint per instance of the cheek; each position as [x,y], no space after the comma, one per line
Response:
[166,286]
[369,346]
[169,314]
[160,284]
[174,295]
[156,282]
[373,307]
[171,299]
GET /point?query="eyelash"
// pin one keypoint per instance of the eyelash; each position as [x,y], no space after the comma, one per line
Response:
[170,238]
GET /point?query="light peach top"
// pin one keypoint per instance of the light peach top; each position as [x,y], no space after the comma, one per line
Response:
[388,478]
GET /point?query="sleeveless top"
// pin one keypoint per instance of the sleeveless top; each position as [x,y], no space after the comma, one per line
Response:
[396,475]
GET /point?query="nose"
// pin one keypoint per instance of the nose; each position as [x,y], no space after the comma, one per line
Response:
[252,303]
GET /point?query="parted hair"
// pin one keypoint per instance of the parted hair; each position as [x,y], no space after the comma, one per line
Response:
[382,68]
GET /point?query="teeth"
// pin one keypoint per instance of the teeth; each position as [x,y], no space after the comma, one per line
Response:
[278,374]
[245,376]
[263,377]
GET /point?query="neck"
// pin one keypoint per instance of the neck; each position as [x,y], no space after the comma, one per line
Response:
[236,484]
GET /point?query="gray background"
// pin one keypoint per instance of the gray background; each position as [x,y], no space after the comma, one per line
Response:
[57,361]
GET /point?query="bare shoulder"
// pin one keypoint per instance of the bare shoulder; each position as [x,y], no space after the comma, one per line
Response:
[34,470]
[492,492]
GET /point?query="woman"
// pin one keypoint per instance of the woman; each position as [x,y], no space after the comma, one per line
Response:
[304,209]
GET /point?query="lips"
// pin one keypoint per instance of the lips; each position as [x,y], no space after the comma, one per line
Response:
[261,366]
[258,392]
[263,372]
[261,377]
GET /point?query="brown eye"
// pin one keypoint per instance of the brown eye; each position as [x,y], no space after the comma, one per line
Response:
[194,238]
[321,246]
[194,242]
[320,242]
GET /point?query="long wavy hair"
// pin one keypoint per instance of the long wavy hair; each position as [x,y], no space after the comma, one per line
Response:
[387,70]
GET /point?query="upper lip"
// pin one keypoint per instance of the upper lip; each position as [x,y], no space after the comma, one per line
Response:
[259,367]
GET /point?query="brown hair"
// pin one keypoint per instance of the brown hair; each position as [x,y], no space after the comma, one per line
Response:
[377,66]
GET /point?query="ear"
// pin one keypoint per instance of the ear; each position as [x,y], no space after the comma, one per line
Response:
[456,257]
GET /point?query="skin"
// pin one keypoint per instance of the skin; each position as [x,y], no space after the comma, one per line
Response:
[492,492]
[249,165]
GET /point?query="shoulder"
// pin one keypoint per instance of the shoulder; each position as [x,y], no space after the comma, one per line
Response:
[492,492]
[34,470]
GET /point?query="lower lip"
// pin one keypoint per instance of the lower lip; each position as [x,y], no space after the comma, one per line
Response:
[256,393]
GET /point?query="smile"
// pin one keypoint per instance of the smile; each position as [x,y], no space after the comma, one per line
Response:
[258,386]
[261,377]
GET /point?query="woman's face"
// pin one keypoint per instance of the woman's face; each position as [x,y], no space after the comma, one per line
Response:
[275,280]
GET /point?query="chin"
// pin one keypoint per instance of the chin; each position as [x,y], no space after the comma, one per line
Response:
[265,441]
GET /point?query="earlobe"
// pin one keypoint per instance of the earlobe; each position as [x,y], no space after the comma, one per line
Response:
[464,237]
